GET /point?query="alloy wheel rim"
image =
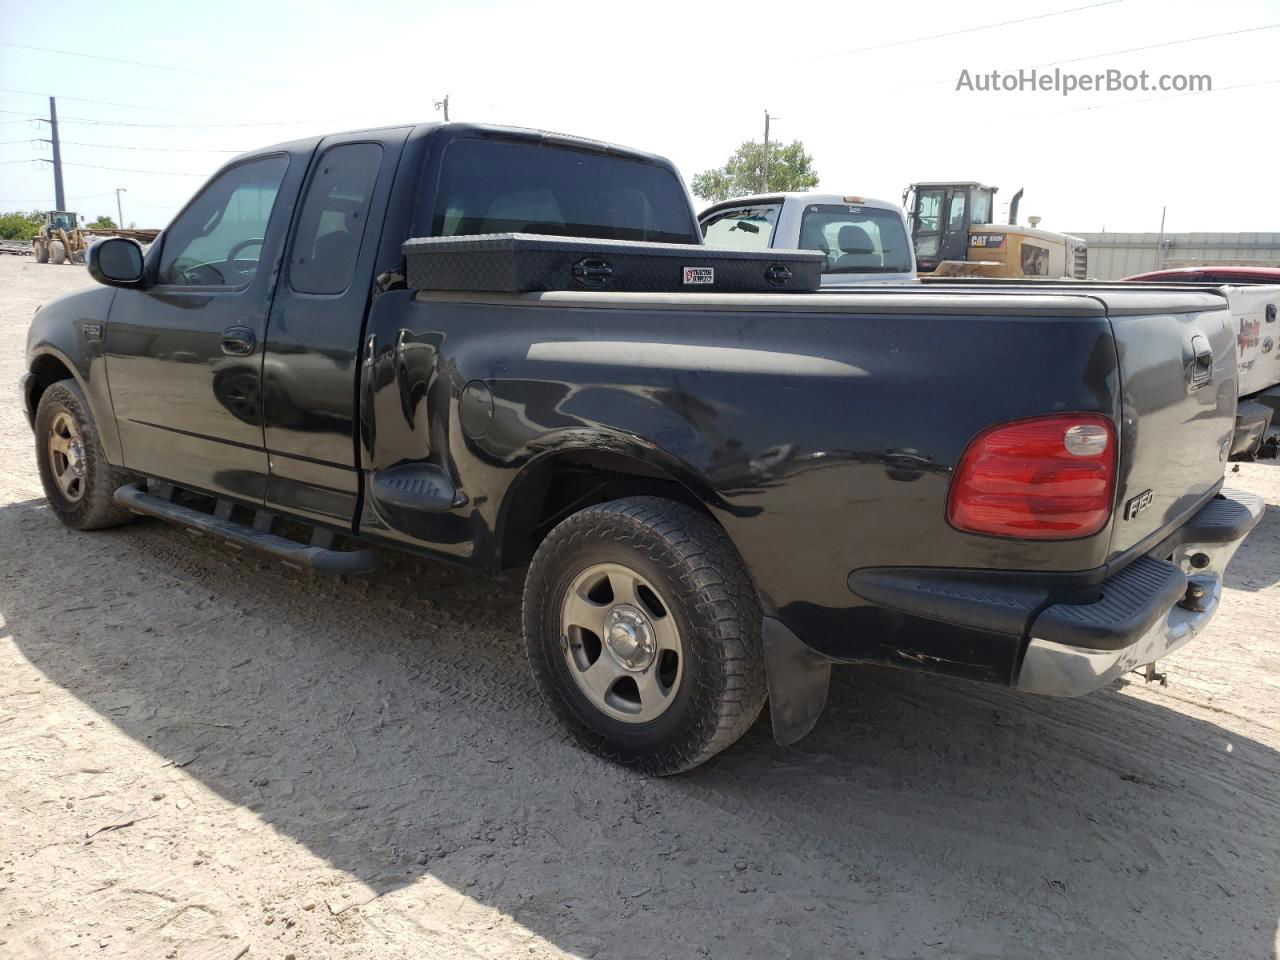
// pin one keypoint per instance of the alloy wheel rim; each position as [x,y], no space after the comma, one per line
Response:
[621,643]
[66,457]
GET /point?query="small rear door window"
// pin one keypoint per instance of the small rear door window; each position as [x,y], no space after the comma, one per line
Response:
[743,228]
[334,213]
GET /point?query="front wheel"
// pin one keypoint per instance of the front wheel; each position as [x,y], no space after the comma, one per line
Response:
[643,629]
[57,251]
[77,479]
[41,251]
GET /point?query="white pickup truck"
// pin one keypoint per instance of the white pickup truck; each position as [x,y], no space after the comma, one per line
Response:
[1253,296]
[866,241]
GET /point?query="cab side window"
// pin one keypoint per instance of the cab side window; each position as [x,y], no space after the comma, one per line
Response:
[746,228]
[217,241]
[332,223]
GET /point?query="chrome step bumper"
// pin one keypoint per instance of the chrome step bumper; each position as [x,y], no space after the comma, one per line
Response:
[1075,649]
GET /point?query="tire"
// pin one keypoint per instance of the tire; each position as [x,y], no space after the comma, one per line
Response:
[57,251]
[688,583]
[83,502]
[41,251]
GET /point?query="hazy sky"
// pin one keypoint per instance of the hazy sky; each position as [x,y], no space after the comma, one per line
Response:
[875,104]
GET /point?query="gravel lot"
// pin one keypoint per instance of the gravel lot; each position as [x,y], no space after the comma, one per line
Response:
[203,755]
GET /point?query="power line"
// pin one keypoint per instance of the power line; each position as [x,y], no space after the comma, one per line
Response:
[94,166]
[1172,96]
[109,103]
[964,30]
[162,173]
[178,126]
[94,56]
[91,196]
[114,146]
[1167,43]
[1108,53]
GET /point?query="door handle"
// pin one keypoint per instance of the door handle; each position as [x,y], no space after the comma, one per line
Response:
[1202,362]
[238,341]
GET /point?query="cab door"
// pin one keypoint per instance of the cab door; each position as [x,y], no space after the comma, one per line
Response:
[927,224]
[955,236]
[313,337]
[184,353]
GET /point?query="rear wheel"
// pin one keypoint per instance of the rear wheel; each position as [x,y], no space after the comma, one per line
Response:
[57,251]
[41,251]
[77,479]
[642,626]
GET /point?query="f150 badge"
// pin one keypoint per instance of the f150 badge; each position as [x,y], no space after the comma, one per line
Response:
[1137,504]
[699,275]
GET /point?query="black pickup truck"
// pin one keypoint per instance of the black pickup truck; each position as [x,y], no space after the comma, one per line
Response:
[711,497]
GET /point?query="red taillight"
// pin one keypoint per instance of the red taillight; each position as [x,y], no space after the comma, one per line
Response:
[1049,478]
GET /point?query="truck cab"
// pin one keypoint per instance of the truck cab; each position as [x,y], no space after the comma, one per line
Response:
[865,240]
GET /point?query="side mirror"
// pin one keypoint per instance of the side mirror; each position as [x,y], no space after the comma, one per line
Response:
[116,261]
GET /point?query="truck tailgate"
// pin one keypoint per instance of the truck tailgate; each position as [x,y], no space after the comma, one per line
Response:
[1177,359]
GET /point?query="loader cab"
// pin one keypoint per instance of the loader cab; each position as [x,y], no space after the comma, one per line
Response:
[61,220]
[940,215]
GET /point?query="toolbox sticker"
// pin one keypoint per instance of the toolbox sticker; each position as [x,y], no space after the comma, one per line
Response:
[699,275]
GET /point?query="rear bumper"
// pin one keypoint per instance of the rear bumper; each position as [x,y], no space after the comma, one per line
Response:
[1062,635]
[1145,612]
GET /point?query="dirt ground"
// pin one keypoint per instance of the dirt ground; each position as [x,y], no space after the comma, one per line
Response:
[203,755]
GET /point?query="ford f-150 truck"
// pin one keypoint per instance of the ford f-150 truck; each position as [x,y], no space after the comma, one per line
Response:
[711,497]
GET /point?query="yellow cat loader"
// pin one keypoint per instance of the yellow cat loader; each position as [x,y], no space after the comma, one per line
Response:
[954,235]
[59,239]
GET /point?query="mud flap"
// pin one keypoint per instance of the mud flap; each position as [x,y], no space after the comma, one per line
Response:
[798,683]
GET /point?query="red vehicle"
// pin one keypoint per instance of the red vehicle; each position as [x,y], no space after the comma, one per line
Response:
[1211,275]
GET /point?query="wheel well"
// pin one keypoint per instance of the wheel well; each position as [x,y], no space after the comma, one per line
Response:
[562,484]
[46,370]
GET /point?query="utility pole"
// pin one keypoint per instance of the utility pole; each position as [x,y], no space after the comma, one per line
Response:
[59,199]
[119,209]
[764,179]
[1160,241]
[444,105]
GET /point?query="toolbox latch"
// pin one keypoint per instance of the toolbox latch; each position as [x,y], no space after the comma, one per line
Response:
[592,272]
[777,275]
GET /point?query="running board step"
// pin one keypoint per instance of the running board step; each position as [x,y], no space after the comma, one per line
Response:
[315,557]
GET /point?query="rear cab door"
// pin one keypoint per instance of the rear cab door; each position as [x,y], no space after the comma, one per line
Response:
[314,331]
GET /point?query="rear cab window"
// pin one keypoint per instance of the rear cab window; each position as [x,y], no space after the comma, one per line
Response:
[856,239]
[334,213]
[509,186]
[742,228]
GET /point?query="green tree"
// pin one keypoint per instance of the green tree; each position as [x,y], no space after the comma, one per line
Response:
[20,226]
[103,223]
[790,168]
